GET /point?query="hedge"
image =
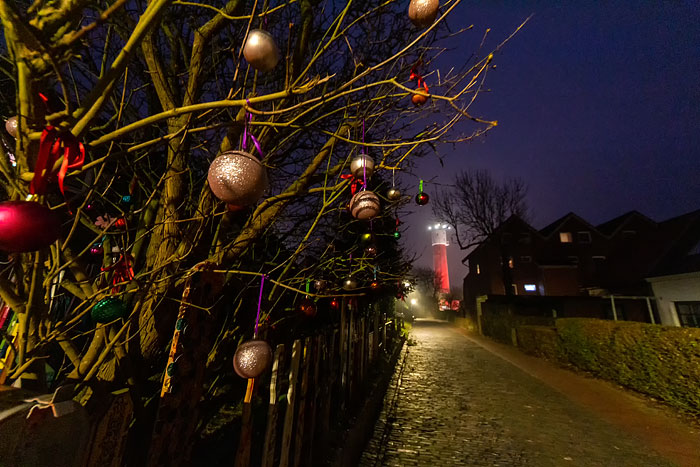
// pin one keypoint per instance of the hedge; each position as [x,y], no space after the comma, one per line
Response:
[540,341]
[661,361]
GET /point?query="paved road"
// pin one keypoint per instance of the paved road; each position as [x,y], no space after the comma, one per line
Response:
[453,403]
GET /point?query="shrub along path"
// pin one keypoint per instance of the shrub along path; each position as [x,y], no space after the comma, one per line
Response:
[461,400]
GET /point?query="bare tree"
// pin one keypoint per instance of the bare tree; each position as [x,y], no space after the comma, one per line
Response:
[477,204]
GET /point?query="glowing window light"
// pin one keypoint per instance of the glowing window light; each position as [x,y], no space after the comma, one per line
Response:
[530,287]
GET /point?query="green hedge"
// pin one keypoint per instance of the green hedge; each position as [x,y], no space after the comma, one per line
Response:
[540,341]
[661,361]
[499,325]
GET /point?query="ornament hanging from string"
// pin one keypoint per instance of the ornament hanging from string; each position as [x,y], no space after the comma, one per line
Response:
[393,194]
[397,234]
[27,226]
[350,283]
[422,13]
[237,177]
[253,357]
[307,306]
[261,51]
[421,86]
[421,198]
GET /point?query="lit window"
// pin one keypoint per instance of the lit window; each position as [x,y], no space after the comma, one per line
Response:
[478,269]
[584,237]
[526,259]
[510,262]
[566,237]
[530,287]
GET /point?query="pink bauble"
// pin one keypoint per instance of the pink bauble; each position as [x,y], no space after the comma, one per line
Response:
[27,226]
[12,126]
[237,178]
[252,358]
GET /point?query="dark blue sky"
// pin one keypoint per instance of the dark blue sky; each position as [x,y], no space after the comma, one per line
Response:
[598,104]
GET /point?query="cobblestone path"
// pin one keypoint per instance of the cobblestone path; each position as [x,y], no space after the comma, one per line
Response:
[453,403]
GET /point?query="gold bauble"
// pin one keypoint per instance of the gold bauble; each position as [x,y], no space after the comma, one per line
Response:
[261,51]
[362,166]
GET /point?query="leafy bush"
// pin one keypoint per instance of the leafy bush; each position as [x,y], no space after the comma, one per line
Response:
[661,361]
[540,341]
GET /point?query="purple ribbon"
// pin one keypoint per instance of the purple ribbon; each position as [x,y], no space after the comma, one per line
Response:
[257,318]
[364,150]
[244,142]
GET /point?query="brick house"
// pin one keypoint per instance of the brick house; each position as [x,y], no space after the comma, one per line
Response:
[572,257]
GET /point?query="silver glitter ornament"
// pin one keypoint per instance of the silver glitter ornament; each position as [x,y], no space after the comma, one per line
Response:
[320,285]
[12,126]
[237,178]
[349,284]
[252,358]
[422,13]
[364,205]
[362,166]
[393,194]
[370,250]
[261,51]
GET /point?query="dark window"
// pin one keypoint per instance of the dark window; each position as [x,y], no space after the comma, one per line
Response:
[688,314]
[627,234]
[573,259]
[584,237]
[619,310]
[526,259]
[506,238]
[524,238]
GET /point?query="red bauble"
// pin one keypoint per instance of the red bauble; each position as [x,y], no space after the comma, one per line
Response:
[374,285]
[27,226]
[234,208]
[335,304]
[307,307]
[120,223]
[422,199]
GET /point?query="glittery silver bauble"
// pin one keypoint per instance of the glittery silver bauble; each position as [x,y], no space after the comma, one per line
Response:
[237,178]
[320,285]
[362,166]
[364,205]
[393,194]
[422,13]
[261,51]
[252,358]
[370,250]
[349,284]
[11,126]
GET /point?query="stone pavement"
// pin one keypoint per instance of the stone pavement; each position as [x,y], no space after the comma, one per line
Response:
[453,403]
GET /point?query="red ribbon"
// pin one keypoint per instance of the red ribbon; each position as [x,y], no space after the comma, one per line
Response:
[52,146]
[417,76]
[122,271]
[354,184]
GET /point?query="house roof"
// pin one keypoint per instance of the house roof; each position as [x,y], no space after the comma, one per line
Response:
[681,256]
[513,219]
[556,225]
[611,227]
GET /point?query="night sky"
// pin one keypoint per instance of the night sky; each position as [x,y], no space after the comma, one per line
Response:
[598,105]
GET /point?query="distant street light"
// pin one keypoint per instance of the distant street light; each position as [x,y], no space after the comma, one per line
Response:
[413,301]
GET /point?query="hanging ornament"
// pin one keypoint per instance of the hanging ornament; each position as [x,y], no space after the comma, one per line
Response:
[261,51]
[397,235]
[371,250]
[238,178]
[120,223]
[252,358]
[307,307]
[320,285]
[349,283]
[367,237]
[335,304]
[107,310]
[362,166]
[97,249]
[393,194]
[421,86]
[27,226]
[364,205]
[421,198]
[374,285]
[422,13]
[12,126]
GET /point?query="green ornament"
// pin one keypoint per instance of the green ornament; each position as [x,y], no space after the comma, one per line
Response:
[107,310]
[397,235]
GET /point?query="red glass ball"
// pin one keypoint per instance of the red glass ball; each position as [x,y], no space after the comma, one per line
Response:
[120,223]
[422,199]
[307,307]
[234,208]
[27,226]
[97,250]
[335,304]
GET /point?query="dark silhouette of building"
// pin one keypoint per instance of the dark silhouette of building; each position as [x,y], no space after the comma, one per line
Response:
[571,257]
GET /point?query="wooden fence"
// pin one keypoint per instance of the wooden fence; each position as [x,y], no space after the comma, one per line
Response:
[312,383]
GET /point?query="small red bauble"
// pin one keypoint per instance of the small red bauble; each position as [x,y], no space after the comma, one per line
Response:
[120,223]
[307,307]
[422,199]
[335,304]
[234,208]
[374,285]
[27,226]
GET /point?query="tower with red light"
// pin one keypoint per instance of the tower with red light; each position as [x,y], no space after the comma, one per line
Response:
[440,243]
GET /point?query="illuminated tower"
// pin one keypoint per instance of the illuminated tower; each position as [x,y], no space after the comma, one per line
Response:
[442,275]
